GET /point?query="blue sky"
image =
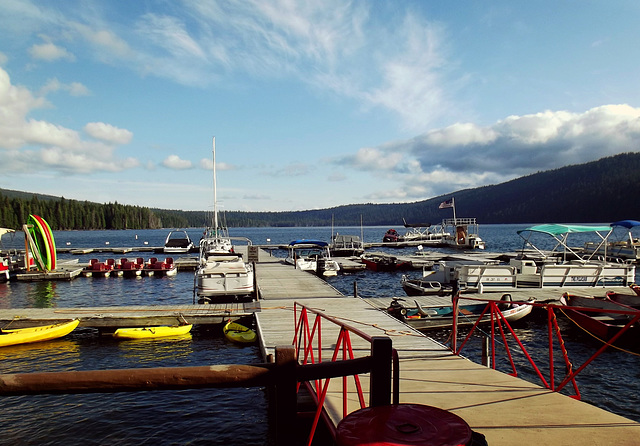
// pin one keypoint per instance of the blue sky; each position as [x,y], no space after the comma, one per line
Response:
[313,104]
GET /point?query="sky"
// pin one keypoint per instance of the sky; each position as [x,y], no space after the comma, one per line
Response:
[313,104]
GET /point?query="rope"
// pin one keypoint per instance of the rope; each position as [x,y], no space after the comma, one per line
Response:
[595,337]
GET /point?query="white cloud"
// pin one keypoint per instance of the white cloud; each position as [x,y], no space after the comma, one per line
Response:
[174,162]
[466,155]
[74,88]
[108,133]
[207,164]
[32,144]
[50,52]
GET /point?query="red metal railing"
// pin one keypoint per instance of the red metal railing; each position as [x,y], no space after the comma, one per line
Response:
[308,344]
[498,323]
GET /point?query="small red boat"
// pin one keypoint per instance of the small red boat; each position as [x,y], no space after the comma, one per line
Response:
[606,320]
[391,236]
[379,262]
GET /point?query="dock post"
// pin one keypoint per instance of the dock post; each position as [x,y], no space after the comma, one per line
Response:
[380,379]
[285,394]
[355,288]
[486,358]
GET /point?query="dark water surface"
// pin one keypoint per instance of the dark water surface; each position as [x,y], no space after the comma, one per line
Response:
[227,416]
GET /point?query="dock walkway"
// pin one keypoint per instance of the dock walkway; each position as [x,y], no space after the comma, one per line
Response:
[506,410]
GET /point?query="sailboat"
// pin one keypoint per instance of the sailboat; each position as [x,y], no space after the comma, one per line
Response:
[221,275]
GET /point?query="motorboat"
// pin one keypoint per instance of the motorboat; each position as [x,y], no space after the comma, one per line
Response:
[346,246]
[178,241]
[462,233]
[221,275]
[626,247]
[382,262]
[561,266]
[391,236]
[603,318]
[441,316]
[424,287]
[312,256]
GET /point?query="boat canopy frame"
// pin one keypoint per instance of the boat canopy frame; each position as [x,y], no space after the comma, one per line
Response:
[560,233]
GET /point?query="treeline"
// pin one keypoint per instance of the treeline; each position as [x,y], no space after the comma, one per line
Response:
[598,192]
[63,214]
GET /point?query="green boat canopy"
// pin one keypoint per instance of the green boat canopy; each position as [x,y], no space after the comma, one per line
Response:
[554,229]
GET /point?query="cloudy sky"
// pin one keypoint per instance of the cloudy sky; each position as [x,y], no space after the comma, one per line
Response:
[313,103]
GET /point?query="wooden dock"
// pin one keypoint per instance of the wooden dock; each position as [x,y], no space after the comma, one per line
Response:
[506,410]
[111,318]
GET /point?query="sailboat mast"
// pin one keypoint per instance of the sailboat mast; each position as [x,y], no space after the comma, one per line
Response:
[215,191]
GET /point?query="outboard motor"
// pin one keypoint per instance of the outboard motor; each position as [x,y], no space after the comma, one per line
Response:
[321,266]
[505,302]
[396,309]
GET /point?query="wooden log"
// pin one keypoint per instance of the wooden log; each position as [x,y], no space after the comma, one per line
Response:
[130,380]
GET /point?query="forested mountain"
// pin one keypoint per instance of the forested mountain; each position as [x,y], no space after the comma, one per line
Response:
[601,191]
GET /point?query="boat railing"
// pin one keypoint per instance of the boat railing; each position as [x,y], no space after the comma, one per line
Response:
[499,328]
[309,344]
[459,221]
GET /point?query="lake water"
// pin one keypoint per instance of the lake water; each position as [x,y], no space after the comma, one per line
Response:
[216,416]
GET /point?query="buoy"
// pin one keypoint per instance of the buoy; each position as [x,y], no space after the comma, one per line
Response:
[106,243]
[146,243]
[68,243]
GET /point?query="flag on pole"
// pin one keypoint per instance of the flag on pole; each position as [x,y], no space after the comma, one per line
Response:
[446,204]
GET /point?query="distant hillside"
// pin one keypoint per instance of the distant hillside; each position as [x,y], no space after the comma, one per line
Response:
[599,191]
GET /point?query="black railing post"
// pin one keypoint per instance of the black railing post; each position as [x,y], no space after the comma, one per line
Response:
[380,378]
[285,394]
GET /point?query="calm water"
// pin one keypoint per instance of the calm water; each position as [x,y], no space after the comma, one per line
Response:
[217,416]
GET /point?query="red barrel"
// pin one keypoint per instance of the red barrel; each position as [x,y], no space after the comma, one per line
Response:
[403,424]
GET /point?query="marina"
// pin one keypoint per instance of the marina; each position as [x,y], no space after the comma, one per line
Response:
[430,374]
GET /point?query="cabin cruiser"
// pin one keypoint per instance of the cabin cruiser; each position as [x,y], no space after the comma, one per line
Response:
[313,256]
[346,245]
[178,242]
[221,275]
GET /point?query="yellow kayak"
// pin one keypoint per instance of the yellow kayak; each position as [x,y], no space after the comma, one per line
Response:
[239,333]
[37,334]
[152,332]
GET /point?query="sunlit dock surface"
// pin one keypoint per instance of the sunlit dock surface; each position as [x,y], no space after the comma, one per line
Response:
[506,410]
